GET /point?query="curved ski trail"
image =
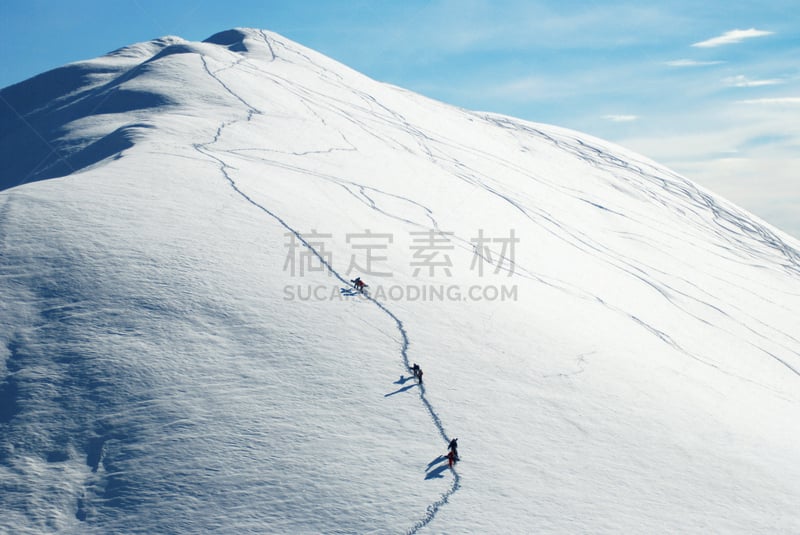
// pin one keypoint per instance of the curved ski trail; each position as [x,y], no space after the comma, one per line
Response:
[224,167]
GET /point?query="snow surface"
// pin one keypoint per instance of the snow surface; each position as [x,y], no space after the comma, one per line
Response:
[165,371]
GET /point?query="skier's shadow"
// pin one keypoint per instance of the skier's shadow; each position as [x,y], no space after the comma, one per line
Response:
[436,472]
[401,381]
[409,387]
[348,291]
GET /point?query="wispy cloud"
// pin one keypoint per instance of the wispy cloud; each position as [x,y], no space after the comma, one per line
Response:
[519,89]
[692,63]
[621,118]
[777,100]
[731,37]
[743,81]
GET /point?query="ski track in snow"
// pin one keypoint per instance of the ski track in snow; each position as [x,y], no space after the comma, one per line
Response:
[725,219]
[204,148]
[633,174]
[600,158]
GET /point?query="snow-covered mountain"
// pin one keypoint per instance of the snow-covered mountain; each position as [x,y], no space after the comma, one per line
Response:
[615,347]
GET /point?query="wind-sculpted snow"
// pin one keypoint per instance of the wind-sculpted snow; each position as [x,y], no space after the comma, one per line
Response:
[49,126]
[615,347]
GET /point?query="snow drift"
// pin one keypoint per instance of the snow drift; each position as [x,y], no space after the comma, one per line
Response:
[615,346]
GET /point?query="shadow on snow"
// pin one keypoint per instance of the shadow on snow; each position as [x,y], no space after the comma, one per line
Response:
[436,468]
[403,380]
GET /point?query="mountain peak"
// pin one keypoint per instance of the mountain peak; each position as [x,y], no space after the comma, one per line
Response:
[237,39]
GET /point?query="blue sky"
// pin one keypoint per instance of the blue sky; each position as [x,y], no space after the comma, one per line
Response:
[711,89]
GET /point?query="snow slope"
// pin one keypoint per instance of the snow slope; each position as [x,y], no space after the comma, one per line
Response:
[178,220]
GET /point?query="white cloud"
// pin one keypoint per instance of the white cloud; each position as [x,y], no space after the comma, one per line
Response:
[691,63]
[621,118]
[777,100]
[743,81]
[733,36]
